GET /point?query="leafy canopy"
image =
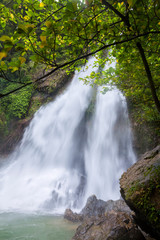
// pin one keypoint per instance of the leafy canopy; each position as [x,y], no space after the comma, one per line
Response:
[59,34]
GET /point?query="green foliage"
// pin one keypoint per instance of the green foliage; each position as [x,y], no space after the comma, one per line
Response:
[16,105]
[63,33]
[35,105]
[3,124]
[132,81]
[19,103]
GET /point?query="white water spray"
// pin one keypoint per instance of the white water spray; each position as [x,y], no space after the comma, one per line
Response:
[66,155]
[108,150]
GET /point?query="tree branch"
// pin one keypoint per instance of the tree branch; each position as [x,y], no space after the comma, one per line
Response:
[80,58]
[149,75]
[4,76]
[124,18]
[53,12]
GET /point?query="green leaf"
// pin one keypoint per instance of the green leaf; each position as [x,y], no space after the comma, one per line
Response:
[6,39]
[131,2]
[3,55]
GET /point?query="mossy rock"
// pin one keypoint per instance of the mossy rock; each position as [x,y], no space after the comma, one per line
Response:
[140,188]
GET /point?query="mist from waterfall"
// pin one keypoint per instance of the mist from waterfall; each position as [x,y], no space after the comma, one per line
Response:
[69,152]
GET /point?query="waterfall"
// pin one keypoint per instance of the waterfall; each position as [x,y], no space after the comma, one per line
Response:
[108,151]
[69,152]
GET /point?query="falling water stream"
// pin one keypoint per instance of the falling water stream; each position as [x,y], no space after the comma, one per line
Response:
[75,146]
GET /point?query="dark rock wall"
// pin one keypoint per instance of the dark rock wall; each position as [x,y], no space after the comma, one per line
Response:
[145,131]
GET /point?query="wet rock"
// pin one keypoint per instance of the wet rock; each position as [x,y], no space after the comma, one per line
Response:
[140,188]
[93,207]
[98,207]
[111,226]
[16,131]
[73,217]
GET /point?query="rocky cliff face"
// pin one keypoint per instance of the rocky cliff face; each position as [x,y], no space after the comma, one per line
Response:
[145,130]
[8,143]
[140,188]
[145,135]
[44,92]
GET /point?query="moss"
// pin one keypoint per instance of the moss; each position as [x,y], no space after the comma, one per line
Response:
[3,126]
[145,204]
[148,171]
[37,101]
[144,200]
[136,186]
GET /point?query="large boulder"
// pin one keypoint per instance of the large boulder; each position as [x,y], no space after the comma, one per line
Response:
[111,226]
[71,216]
[140,188]
[98,207]
[100,220]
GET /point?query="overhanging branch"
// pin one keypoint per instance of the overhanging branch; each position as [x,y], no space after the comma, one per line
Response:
[124,18]
[80,58]
[149,76]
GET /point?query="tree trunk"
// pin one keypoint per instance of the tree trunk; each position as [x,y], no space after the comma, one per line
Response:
[149,75]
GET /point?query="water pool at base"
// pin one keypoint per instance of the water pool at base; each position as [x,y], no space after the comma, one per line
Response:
[14,226]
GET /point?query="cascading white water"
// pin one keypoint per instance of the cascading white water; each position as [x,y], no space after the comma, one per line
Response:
[108,151]
[66,155]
